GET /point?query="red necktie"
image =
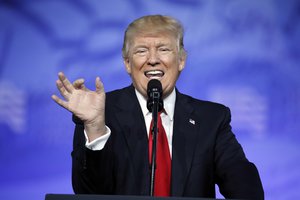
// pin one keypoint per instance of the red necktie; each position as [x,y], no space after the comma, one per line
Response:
[163,161]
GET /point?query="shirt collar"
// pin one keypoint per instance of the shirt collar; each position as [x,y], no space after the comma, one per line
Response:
[169,103]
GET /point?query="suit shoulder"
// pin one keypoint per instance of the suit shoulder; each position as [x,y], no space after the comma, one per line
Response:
[118,93]
[204,105]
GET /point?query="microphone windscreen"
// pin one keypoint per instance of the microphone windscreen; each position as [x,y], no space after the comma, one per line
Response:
[154,85]
[154,92]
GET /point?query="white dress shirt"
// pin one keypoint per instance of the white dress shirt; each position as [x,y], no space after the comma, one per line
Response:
[167,118]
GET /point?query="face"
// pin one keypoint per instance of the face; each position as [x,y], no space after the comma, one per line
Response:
[154,57]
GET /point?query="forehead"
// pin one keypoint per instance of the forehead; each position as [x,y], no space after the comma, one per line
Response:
[153,39]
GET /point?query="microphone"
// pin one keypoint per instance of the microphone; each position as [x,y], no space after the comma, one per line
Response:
[154,104]
[154,92]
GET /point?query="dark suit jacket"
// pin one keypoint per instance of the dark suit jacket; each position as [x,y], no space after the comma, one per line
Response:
[204,153]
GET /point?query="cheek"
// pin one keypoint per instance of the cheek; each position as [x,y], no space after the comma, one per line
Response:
[138,62]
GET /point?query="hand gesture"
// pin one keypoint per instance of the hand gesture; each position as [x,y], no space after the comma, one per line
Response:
[87,105]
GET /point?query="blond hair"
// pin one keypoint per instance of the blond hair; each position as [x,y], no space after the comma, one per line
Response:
[153,24]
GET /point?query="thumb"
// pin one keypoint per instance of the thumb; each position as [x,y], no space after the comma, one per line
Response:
[99,86]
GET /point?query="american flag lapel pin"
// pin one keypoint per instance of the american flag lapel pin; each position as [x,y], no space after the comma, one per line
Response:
[192,121]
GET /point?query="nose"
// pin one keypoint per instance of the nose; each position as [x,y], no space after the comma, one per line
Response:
[153,58]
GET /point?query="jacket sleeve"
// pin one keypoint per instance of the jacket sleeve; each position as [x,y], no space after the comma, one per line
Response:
[236,176]
[91,170]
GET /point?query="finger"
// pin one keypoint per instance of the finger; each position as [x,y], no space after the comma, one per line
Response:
[99,86]
[62,90]
[79,84]
[69,87]
[60,102]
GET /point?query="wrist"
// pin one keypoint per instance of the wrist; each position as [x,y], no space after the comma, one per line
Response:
[94,130]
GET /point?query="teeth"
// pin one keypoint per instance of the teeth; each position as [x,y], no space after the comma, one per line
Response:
[154,73]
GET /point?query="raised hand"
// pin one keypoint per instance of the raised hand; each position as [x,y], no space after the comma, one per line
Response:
[87,105]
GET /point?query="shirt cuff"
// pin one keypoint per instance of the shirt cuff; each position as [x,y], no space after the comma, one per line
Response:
[97,144]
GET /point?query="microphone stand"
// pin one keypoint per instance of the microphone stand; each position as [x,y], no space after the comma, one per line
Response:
[154,132]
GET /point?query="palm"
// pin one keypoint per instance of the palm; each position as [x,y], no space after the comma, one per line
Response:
[86,104]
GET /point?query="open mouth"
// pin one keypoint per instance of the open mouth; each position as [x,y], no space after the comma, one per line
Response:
[154,74]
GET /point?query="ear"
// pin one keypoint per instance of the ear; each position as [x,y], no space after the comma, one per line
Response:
[182,60]
[127,65]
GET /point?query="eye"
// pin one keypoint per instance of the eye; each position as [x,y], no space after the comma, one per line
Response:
[140,51]
[164,50]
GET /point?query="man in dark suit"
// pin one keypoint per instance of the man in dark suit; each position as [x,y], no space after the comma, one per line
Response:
[110,149]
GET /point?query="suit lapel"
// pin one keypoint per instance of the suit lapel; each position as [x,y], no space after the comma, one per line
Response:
[184,141]
[131,120]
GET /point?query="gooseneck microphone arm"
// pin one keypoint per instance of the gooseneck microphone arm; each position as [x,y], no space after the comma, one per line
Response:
[154,105]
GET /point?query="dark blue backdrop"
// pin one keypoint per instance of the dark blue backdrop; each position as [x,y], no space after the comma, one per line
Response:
[244,54]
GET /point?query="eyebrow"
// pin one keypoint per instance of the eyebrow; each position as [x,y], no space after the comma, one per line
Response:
[157,46]
[139,46]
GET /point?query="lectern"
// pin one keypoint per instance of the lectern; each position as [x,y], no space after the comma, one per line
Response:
[113,197]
